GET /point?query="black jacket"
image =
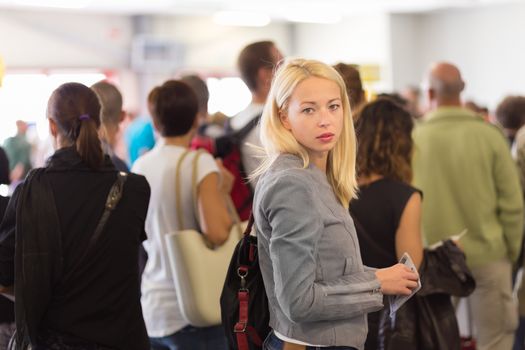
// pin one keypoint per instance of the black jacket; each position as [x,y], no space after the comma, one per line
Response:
[428,320]
[52,217]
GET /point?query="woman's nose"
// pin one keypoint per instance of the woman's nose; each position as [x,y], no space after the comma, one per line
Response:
[324,118]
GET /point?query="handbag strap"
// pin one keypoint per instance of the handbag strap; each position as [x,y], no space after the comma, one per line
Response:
[113,198]
[178,199]
[194,188]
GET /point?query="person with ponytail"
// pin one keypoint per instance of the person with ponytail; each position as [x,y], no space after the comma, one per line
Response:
[70,239]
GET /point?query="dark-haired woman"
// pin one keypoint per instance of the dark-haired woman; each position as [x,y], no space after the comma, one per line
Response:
[76,283]
[174,108]
[387,212]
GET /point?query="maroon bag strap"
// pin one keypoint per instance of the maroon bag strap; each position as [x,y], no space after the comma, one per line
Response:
[242,329]
[249,227]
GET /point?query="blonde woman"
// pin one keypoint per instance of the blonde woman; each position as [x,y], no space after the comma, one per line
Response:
[318,289]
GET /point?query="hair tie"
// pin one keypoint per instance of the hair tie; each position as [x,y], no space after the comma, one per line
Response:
[84,117]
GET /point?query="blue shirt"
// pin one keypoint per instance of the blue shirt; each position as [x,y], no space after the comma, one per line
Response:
[140,138]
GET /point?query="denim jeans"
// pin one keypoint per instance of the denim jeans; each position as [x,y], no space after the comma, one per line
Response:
[192,338]
[519,340]
[274,343]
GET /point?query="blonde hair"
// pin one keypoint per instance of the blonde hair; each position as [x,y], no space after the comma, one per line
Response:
[276,139]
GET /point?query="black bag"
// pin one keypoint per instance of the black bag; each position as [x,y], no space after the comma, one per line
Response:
[228,148]
[244,305]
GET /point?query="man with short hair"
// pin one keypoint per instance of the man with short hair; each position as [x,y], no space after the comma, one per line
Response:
[111,115]
[469,180]
[257,63]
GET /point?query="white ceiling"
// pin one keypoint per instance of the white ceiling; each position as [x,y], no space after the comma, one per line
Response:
[276,9]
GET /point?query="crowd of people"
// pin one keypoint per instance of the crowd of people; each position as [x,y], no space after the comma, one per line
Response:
[341,187]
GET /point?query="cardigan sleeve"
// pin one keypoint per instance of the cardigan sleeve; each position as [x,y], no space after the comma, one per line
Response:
[296,225]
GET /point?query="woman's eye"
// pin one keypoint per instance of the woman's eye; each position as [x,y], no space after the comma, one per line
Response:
[334,107]
[308,110]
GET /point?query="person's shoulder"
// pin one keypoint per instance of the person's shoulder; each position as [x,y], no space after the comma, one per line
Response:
[405,189]
[144,161]
[205,157]
[9,141]
[119,164]
[391,188]
[491,129]
[283,175]
[399,184]
[206,163]
[242,118]
[490,133]
[138,183]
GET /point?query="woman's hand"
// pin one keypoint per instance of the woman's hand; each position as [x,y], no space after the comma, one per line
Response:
[227,178]
[397,280]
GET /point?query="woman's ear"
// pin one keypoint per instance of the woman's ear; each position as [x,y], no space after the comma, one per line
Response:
[52,127]
[284,120]
[156,126]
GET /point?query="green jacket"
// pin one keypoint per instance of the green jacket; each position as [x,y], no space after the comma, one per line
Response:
[18,151]
[464,168]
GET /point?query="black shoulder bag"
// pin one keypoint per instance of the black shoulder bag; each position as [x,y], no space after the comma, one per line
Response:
[244,304]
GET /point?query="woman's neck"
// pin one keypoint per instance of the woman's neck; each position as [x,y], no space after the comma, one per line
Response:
[60,142]
[181,141]
[319,161]
[365,180]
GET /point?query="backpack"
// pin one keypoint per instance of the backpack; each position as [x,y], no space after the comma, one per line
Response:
[244,305]
[228,147]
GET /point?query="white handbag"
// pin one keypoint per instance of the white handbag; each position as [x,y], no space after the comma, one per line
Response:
[198,270]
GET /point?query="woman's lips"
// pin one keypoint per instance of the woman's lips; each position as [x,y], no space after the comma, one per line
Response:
[326,137]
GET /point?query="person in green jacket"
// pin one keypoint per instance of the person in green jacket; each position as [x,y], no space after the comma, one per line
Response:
[18,151]
[464,167]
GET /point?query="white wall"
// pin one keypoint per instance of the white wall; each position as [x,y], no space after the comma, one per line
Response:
[210,49]
[360,39]
[40,40]
[65,40]
[404,50]
[51,40]
[487,44]
[214,47]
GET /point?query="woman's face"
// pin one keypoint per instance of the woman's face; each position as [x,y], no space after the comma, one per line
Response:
[315,115]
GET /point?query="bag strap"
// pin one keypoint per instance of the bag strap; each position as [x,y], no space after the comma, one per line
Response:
[178,200]
[224,144]
[249,227]
[113,198]
[178,188]
[194,187]
[245,130]
[242,329]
